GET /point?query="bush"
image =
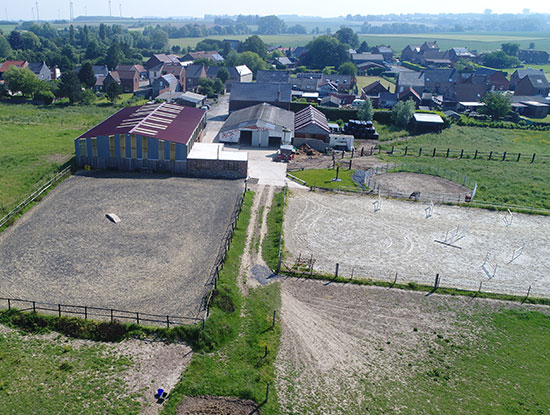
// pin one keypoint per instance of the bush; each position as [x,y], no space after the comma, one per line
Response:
[413,66]
[46,97]
[382,116]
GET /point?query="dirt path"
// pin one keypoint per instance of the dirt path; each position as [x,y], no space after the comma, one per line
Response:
[253,267]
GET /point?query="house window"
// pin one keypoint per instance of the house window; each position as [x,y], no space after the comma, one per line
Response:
[94,147]
[172,151]
[133,146]
[123,146]
[144,148]
[112,152]
[161,150]
[83,148]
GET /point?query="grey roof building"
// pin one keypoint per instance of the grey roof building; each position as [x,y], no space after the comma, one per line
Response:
[247,94]
[41,70]
[414,80]
[261,125]
[273,77]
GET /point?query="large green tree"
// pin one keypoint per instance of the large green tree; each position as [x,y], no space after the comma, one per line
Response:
[402,112]
[22,80]
[326,51]
[70,87]
[114,56]
[5,48]
[365,111]
[254,62]
[511,49]
[271,25]
[86,75]
[223,75]
[347,68]
[254,44]
[113,91]
[499,59]
[496,105]
[347,36]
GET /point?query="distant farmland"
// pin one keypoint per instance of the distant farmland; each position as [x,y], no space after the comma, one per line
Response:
[475,41]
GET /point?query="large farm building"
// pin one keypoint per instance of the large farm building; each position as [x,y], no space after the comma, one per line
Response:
[155,137]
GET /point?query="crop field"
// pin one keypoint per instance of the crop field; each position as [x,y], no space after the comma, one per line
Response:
[475,41]
[36,141]
[348,349]
[156,260]
[400,239]
[506,182]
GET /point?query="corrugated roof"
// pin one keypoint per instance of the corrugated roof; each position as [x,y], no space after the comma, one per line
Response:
[308,116]
[431,118]
[264,112]
[168,122]
[272,76]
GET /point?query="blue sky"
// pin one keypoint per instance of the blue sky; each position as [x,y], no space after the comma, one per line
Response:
[52,9]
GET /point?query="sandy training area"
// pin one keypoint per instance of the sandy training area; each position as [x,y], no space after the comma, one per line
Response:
[398,238]
[156,260]
[343,344]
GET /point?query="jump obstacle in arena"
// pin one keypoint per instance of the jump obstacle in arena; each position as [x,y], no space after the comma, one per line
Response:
[488,267]
[508,219]
[429,210]
[453,236]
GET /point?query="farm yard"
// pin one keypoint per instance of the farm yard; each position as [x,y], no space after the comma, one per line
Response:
[400,239]
[156,260]
[349,349]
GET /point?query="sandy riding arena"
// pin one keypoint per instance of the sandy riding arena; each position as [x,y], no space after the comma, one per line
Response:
[507,254]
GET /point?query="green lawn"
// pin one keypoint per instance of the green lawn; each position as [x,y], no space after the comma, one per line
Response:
[502,182]
[41,376]
[36,141]
[389,132]
[363,81]
[505,371]
[323,178]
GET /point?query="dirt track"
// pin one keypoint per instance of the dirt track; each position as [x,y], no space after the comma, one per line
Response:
[413,182]
[342,345]
[344,229]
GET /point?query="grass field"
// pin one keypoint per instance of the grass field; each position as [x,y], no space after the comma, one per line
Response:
[323,178]
[39,375]
[363,81]
[503,182]
[36,141]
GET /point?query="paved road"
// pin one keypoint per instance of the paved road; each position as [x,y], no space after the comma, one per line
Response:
[215,117]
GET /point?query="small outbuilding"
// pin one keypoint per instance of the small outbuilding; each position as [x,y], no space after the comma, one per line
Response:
[427,123]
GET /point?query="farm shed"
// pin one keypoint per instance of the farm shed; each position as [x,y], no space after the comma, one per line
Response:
[262,125]
[248,94]
[212,160]
[155,137]
[311,127]
[427,122]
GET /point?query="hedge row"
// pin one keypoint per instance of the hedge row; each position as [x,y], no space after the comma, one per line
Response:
[469,122]
[413,66]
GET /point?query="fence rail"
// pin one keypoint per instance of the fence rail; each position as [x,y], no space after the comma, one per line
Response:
[35,195]
[222,254]
[447,152]
[96,313]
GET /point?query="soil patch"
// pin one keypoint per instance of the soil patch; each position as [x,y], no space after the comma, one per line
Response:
[414,182]
[216,405]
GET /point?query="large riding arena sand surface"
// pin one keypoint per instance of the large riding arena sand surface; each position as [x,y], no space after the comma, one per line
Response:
[345,229]
[156,260]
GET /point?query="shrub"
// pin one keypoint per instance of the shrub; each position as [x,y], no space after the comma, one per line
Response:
[46,97]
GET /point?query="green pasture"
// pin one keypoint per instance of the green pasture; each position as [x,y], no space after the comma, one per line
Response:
[36,141]
[506,182]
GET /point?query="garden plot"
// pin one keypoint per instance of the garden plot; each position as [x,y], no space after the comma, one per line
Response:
[156,260]
[466,247]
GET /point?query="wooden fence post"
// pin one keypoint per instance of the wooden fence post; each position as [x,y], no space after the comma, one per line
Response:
[352,152]
[59,309]
[34,307]
[475,155]
[267,392]
[85,313]
[274,317]
[137,318]
[420,152]
[336,271]
[349,168]
[393,148]
[436,282]
[362,148]
[533,159]
[112,319]
[167,322]
[448,151]
[504,156]
[480,284]
[527,296]
[433,155]
[461,153]
[9,304]
[406,149]
[519,156]
[491,155]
